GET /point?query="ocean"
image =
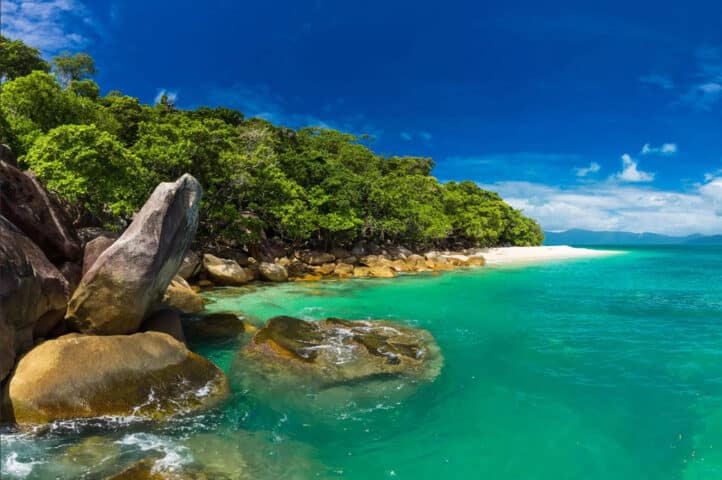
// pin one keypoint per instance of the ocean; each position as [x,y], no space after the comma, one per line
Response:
[598,368]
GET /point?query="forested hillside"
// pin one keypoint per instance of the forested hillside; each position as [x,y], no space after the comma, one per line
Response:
[307,187]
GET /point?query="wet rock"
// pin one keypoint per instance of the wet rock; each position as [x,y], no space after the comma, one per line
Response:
[223,325]
[225,272]
[272,272]
[33,294]
[335,351]
[181,296]
[79,376]
[129,279]
[36,213]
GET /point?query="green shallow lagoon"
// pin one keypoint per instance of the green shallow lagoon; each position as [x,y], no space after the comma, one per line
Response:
[604,368]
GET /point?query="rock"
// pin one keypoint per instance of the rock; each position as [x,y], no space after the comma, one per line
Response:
[416,263]
[382,271]
[86,234]
[225,272]
[326,269]
[181,296]
[191,265]
[94,249]
[361,272]
[7,155]
[80,376]
[457,260]
[352,260]
[309,277]
[476,261]
[359,250]
[440,263]
[316,258]
[340,253]
[129,279]
[165,321]
[72,273]
[36,213]
[273,272]
[298,269]
[400,266]
[375,260]
[152,469]
[333,351]
[216,325]
[343,270]
[205,284]
[33,294]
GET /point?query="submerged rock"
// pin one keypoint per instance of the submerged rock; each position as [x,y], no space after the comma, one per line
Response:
[334,351]
[129,279]
[225,272]
[79,376]
[221,325]
[33,294]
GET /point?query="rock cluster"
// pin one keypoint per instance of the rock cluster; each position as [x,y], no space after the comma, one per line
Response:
[129,357]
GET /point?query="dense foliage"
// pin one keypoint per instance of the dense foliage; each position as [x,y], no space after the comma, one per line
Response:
[307,187]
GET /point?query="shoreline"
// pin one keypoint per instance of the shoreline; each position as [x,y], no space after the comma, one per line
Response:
[531,255]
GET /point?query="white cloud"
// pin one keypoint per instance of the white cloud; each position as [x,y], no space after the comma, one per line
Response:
[661,81]
[664,149]
[406,136]
[593,167]
[703,96]
[426,136]
[630,173]
[46,24]
[613,206]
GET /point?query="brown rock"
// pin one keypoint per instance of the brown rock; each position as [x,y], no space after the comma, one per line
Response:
[78,376]
[223,325]
[225,272]
[191,266]
[165,321]
[326,269]
[129,279]
[361,272]
[33,294]
[375,260]
[72,273]
[94,249]
[272,272]
[36,213]
[316,258]
[181,296]
[343,270]
[382,271]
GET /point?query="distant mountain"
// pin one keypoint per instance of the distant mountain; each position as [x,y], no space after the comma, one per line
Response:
[589,237]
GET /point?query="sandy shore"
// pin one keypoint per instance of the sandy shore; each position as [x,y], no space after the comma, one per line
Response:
[511,255]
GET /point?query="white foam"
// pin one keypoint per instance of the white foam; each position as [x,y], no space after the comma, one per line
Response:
[16,469]
[174,455]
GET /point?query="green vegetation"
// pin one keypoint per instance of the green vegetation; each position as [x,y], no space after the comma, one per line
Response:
[309,186]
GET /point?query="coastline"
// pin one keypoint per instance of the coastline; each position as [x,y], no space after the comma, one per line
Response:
[526,255]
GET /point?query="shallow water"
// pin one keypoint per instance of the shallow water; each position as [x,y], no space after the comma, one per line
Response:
[593,368]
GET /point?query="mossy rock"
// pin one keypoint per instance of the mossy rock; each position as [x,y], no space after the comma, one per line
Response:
[145,374]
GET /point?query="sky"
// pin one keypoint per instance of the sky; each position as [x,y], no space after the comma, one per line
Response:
[596,115]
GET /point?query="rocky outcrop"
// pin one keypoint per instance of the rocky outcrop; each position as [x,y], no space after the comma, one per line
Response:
[35,212]
[181,296]
[191,266]
[80,376]
[94,249]
[316,258]
[273,272]
[223,271]
[33,294]
[129,279]
[334,351]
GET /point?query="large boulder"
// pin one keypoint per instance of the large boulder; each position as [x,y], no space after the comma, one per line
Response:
[334,351]
[181,296]
[33,294]
[191,265]
[94,249]
[128,280]
[80,376]
[26,203]
[316,258]
[273,272]
[225,272]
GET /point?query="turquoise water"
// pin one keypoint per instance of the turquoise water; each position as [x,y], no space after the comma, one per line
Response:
[605,368]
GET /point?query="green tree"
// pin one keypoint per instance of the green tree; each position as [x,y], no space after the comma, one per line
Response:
[85,88]
[91,169]
[18,59]
[69,67]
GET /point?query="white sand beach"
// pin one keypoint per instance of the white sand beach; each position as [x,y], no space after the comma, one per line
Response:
[512,255]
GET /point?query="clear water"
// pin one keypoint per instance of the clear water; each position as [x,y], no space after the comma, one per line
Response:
[606,368]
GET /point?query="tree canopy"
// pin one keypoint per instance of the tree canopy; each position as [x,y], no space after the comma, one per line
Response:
[308,187]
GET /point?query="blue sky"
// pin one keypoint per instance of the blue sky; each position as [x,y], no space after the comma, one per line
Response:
[600,115]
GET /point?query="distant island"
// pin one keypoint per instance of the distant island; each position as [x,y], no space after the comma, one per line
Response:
[591,237]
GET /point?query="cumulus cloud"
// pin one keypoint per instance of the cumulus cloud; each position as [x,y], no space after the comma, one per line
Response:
[593,167]
[613,206]
[630,172]
[49,25]
[664,149]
